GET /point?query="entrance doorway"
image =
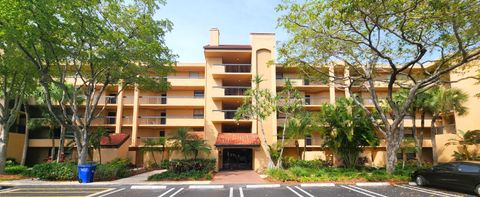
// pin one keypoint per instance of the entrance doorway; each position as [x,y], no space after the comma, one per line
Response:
[237,159]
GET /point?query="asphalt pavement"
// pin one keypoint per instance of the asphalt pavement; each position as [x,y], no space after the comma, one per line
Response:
[266,190]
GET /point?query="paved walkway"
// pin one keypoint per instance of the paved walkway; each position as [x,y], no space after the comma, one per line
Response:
[237,177]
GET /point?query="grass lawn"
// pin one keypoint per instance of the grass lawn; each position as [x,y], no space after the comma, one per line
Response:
[323,174]
[10,177]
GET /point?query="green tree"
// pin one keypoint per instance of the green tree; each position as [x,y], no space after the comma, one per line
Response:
[92,45]
[16,81]
[464,140]
[95,140]
[299,127]
[289,103]
[152,145]
[189,144]
[442,103]
[258,105]
[346,130]
[407,146]
[46,121]
[413,43]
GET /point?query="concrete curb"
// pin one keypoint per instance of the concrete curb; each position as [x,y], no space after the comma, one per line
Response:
[373,184]
[317,185]
[262,186]
[206,187]
[148,187]
[412,183]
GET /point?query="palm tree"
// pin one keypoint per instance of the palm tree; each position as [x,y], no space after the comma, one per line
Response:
[444,101]
[95,140]
[300,127]
[152,145]
[189,144]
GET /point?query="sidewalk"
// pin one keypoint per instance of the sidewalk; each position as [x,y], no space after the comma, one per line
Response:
[238,177]
[140,179]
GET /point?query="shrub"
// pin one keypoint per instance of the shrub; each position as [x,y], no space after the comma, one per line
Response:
[304,163]
[54,171]
[15,169]
[190,175]
[117,168]
[179,166]
[164,164]
[11,162]
[279,174]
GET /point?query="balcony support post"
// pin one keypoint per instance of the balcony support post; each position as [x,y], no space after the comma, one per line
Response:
[135,116]
[331,73]
[118,123]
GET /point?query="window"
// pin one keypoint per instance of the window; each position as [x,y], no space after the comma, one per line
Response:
[279,76]
[111,116]
[162,133]
[444,167]
[196,129]
[198,113]
[468,168]
[163,117]
[163,98]
[112,98]
[307,99]
[308,140]
[306,82]
[194,75]
[198,94]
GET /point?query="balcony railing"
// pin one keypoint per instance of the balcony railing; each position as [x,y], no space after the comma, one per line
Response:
[105,120]
[236,68]
[152,100]
[152,120]
[233,90]
[299,82]
[127,120]
[128,99]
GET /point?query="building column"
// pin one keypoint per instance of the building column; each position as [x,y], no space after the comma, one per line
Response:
[135,116]
[331,73]
[346,75]
[118,122]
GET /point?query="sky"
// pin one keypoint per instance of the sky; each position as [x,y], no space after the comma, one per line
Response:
[235,19]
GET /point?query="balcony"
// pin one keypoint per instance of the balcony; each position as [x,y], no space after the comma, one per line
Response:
[104,121]
[303,84]
[228,70]
[164,121]
[127,120]
[226,115]
[229,92]
[185,83]
[171,101]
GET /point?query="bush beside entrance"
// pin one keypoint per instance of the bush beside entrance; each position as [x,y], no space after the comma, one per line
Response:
[189,169]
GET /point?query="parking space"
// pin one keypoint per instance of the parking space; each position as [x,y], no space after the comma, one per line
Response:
[55,191]
[403,190]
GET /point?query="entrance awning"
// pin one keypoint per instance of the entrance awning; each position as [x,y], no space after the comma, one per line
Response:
[237,140]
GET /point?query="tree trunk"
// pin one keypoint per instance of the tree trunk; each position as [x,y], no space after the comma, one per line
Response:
[61,146]
[393,144]
[3,147]
[264,145]
[279,161]
[419,141]
[297,146]
[52,137]
[27,133]
[304,149]
[433,132]
[153,156]
[99,155]
[83,148]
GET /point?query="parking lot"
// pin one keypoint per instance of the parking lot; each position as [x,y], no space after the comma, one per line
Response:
[270,190]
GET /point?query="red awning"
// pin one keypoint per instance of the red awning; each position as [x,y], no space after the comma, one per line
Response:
[237,140]
[116,140]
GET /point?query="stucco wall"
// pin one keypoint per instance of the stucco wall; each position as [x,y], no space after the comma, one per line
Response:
[15,146]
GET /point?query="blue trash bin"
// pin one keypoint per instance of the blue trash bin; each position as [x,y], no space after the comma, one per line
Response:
[86,173]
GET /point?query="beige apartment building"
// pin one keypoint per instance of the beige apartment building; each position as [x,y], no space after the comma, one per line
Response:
[204,97]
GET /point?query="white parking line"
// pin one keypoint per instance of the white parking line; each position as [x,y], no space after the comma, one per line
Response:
[263,186]
[112,192]
[368,191]
[165,193]
[8,190]
[358,191]
[231,192]
[241,191]
[148,187]
[178,191]
[295,192]
[304,191]
[317,185]
[428,191]
[206,187]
